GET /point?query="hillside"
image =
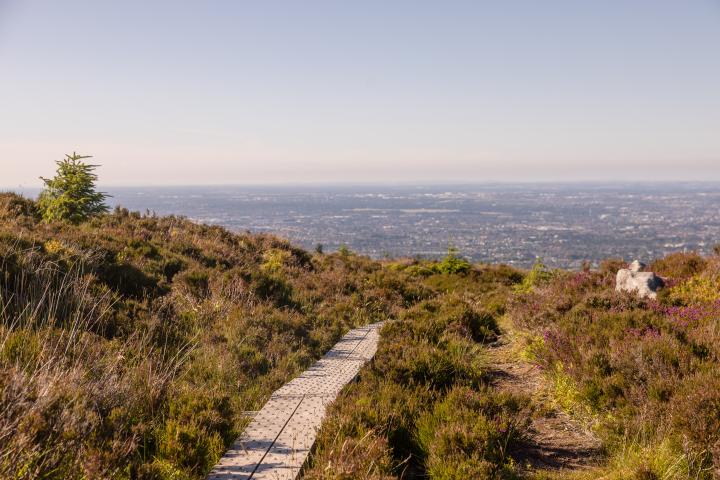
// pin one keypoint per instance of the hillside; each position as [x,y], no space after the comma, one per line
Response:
[131,345]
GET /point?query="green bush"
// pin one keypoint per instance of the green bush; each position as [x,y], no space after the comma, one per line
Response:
[431,319]
[272,287]
[21,347]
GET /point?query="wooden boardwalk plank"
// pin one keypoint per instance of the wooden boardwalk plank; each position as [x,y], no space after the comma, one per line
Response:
[279,438]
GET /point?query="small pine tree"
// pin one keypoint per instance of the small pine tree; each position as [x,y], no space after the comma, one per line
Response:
[453,263]
[71,196]
[536,276]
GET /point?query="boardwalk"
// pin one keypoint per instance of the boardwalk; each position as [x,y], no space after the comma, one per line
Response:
[278,440]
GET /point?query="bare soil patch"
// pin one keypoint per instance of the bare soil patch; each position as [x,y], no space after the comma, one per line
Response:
[554,441]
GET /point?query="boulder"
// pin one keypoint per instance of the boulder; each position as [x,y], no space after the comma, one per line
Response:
[633,279]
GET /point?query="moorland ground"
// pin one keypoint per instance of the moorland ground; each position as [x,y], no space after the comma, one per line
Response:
[131,345]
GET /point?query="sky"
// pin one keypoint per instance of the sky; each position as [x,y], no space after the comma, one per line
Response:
[269,92]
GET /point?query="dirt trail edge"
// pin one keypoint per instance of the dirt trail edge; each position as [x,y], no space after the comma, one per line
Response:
[555,441]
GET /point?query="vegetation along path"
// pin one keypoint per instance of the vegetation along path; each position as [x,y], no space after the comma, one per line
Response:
[554,440]
[280,436]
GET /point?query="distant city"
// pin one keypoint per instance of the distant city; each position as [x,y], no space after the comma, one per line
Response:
[563,224]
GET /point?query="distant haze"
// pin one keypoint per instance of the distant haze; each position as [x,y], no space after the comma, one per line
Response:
[270,92]
[508,223]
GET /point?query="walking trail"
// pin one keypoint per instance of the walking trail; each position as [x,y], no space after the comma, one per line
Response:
[280,435]
[554,441]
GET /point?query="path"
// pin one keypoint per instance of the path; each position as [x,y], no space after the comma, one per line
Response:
[554,441]
[280,436]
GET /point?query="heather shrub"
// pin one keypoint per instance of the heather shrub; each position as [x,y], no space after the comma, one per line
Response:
[418,269]
[196,430]
[469,432]
[131,344]
[633,367]
[424,395]
[679,266]
[368,457]
[21,347]
[376,406]
[271,287]
[161,470]
[433,318]
[84,413]
[502,274]
[15,207]
[438,367]
[610,266]
[171,267]
[196,283]
[637,461]
[436,344]
[699,394]
[128,279]
[411,292]
[275,259]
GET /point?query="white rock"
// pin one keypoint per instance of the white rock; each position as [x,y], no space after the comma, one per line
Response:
[632,279]
[636,266]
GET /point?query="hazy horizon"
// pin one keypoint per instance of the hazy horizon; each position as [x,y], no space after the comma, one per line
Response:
[37,187]
[267,93]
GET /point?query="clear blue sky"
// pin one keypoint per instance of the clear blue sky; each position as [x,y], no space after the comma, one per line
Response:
[173,92]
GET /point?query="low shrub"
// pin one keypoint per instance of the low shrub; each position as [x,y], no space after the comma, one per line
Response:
[15,207]
[196,283]
[437,366]
[467,434]
[679,266]
[367,457]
